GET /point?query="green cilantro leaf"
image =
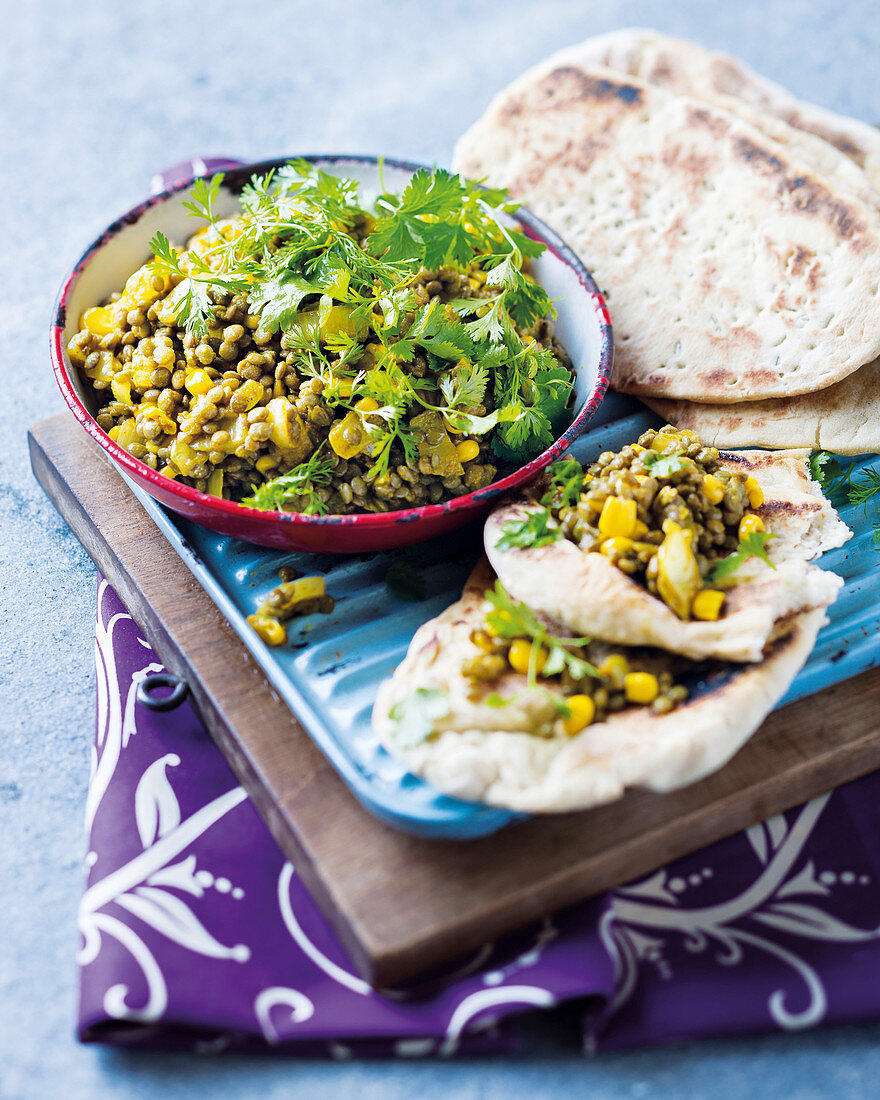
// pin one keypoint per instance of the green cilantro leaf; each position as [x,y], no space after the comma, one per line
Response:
[566,482]
[824,469]
[537,529]
[278,299]
[753,545]
[464,384]
[414,717]
[512,619]
[203,195]
[663,465]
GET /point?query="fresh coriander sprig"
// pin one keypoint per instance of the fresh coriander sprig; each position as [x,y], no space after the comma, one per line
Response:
[752,545]
[302,239]
[297,487]
[415,716]
[858,486]
[566,482]
[659,465]
[538,528]
[512,619]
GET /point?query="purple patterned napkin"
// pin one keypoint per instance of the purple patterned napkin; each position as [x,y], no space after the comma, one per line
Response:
[197,933]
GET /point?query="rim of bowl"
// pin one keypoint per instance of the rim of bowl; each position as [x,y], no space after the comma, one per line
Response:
[533,226]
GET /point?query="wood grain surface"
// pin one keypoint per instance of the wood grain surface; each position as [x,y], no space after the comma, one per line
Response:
[400,904]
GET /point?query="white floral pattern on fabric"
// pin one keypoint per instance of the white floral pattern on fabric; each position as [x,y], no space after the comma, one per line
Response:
[198,933]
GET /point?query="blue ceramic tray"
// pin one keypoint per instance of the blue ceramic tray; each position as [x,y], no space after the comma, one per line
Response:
[330,669]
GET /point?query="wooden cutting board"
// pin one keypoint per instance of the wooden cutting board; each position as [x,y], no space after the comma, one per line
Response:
[401,904]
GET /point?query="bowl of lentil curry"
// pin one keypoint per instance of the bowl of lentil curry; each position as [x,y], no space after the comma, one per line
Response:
[382,389]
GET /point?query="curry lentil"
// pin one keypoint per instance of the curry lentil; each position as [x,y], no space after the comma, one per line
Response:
[664,510]
[233,400]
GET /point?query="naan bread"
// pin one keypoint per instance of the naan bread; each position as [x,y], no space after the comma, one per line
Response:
[689,69]
[733,270]
[844,418]
[590,596]
[485,753]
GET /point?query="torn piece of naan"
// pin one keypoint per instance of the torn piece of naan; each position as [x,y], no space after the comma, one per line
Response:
[589,595]
[844,418]
[516,756]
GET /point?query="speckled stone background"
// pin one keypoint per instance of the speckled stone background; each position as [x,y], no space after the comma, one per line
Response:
[94,96]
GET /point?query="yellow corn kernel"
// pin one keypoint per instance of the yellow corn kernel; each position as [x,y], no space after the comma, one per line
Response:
[637,448]
[98,321]
[641,529]
[270,630]
[308,588]
[615,667]
[661,441]
[755,492]
[707,605]
[520,656]
[713,489]
[650,548]
[198,381]
[467,450]
[641,687]
[618,518]
[749,524]
[266,463]
[367,405]
[616,545]
[583,711]
[168,471]
[114,432]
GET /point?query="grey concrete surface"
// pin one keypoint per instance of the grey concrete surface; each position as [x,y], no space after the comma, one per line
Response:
[94,96]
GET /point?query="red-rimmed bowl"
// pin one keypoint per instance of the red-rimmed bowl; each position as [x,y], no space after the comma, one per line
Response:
[583,328]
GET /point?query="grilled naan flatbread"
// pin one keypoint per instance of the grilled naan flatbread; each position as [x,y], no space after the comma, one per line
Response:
[590,596]
[734,271]
[687,68]
[488,753]
[844,418]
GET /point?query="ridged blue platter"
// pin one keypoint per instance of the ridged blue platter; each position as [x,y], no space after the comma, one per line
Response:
[329,671]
